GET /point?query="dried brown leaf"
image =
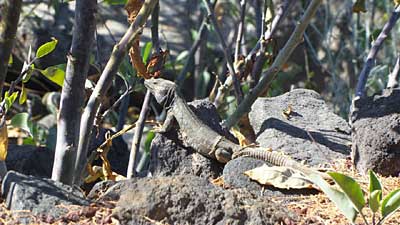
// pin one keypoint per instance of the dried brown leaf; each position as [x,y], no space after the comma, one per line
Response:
[136,60]
[280,177]
[156,63]
[133,7]
[3,142]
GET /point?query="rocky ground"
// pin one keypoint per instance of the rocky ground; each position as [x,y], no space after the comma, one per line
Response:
[184,187]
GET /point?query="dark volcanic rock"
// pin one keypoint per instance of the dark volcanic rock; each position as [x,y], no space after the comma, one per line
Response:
[193,200]
[234,177]
[376,133]
[100,188]
[312,133]
[30,160]
[170,157]
[39,195]
[38,161]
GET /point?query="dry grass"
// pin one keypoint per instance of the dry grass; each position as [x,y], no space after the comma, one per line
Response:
[318,209]
[96,213]
[313,209]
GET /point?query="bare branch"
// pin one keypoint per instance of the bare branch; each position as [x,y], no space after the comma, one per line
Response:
[71,103]
[280,60]
[9,16]
[240,32]
[376,45]
[226,51]
[257,69]
[196,44]
[105,81]
[137,136]
[131,171]
[394,75]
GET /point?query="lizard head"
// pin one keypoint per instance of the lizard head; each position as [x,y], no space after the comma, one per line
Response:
[160,88]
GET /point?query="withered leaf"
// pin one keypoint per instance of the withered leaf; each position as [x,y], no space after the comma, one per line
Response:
[3,142]
[280,177]
[133,7]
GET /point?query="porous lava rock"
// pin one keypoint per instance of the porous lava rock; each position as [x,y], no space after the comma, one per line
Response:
[376,133]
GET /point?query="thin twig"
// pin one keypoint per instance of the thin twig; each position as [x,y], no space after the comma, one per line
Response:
[121,98]
[376,45]
[10,10]
[203,30]
[394,75]
[137,136]
[239,37]
[155,39]
[257,69]
[280,60]
[105,80]
[226,51]
[259,20]
[143,113]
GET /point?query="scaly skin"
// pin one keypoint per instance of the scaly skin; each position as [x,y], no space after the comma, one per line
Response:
[195,133]
[201,137]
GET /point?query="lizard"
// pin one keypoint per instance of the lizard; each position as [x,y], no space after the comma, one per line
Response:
[201,137]
[196,134]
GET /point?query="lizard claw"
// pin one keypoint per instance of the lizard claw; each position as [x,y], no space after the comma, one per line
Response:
[159,129]
[222,155]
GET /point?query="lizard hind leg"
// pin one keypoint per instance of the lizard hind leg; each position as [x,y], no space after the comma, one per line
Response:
[222,155]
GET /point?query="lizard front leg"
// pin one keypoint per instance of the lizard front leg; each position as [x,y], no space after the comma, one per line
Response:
[167,125]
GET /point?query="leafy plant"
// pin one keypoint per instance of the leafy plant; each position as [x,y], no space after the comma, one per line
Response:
[27,70]
[351,200]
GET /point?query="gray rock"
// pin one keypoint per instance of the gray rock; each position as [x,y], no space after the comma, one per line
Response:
[38,161]
[30,160]
[170,157]
[100,188]
[376,133]
[193,200]
[312,133]
[40,196]
[234,177]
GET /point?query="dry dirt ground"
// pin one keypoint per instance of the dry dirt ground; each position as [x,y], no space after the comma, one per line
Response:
[315,209]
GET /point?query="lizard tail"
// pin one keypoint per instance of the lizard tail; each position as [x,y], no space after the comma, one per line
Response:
[270,157]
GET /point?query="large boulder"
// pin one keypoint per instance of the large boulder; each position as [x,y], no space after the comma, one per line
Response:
[39,196]
[171,157]
[30,160]
[376,133]
[193,200]
[310,131]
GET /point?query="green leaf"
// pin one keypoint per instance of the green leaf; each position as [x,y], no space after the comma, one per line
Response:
[55,74]
[23,96]
[391,203]
[10,60]
[182,55]
[149,139]
[146,50]
[374,200]
[10,99]
[46,48]
[22,121]
[116,2]
[339,198]
[28,74]
[351,188]
[374,183]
